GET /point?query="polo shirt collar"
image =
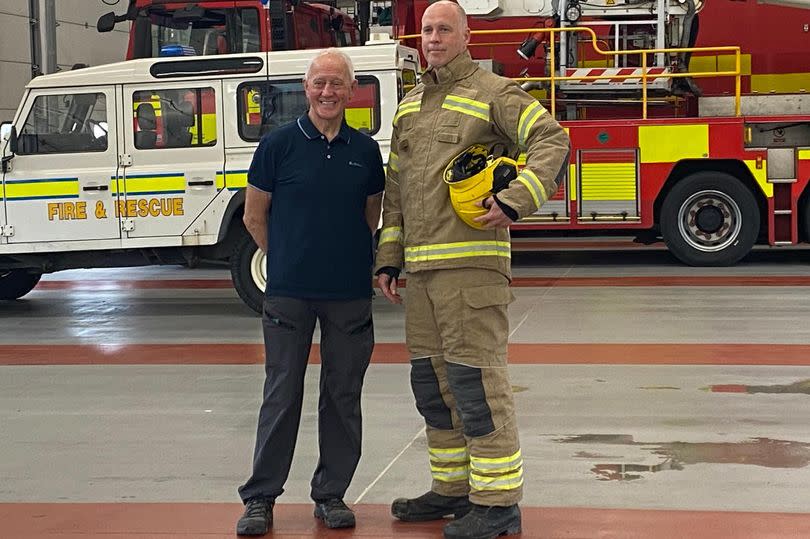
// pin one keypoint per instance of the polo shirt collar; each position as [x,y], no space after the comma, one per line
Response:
[311,132]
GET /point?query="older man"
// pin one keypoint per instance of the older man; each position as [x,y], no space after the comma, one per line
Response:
[313,199]
[459,272]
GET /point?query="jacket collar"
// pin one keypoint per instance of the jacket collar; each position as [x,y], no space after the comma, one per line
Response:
[311,132]
[460,67]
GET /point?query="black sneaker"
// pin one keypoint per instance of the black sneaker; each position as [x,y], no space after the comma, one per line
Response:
[334,514]
[485,522]
[257,518]
[430,506]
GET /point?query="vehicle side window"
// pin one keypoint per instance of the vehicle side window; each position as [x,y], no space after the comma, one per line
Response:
[266,105]
[174,118]
[65,123]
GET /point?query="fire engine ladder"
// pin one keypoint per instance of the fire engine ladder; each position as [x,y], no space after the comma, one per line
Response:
[781,175]
[618,77]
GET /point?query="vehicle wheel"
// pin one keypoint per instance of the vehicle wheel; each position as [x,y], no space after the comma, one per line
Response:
[14,284]
[710,219]
[249,272]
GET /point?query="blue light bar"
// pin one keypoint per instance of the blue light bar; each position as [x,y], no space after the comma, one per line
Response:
[177,50]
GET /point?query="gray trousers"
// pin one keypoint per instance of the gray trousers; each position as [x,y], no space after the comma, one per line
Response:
[347,340]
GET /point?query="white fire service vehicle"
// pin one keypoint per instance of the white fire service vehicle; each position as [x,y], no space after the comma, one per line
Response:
[145,162]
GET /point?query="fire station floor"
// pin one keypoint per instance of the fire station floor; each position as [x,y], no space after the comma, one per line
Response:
[654,400]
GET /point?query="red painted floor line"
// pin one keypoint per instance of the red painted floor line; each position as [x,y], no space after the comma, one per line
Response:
[397,353]
[217,520]
[112,285]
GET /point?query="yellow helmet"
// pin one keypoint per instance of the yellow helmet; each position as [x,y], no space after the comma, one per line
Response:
[472,176]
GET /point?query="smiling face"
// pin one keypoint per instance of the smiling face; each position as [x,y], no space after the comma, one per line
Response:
[445,34]
[329,87]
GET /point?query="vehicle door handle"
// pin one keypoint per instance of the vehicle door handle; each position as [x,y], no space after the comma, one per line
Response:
[95,188]
[193,183]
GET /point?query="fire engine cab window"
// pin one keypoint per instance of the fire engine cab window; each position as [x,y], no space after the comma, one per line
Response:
[266,105]
[65,123]
[176,118]
[196,31]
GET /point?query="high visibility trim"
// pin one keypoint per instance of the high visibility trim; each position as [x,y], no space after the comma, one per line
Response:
[391,234]
[538,192]
[393,162]
[42,188]
[462,249]
[155,184]
[407,108]
[501,464]
[450,475]
[454,454]
[467,106]
[236,179]
[527,121]
[502,482]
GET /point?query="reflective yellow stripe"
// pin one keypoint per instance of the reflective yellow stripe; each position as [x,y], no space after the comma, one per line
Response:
[449,475]
[538,192]
[453,454]
[220,180]
[503,482]
[393,162]
[158,184]
[391,234]
[467,106]
[527,121]
[671,143]
[235,180]
[501,464]
[407,108]
[760,173]
[463,249]
[780,83]
[41,188]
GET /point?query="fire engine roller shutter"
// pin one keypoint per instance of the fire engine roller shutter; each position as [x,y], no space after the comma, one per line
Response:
[608,184]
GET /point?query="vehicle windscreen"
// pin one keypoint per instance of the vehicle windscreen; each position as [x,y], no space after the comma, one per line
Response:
[202,32]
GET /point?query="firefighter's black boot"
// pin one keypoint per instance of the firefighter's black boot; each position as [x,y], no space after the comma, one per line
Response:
[430,506]
[484,522]
[258,517]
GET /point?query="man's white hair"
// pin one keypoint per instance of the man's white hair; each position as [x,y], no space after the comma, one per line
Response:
[332,51]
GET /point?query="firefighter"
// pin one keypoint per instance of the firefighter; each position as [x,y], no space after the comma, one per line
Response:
[458,274]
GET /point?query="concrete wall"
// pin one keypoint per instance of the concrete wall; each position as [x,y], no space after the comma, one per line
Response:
[77,41]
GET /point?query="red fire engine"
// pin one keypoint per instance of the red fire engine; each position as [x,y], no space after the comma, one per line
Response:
[205,27]
[698,134]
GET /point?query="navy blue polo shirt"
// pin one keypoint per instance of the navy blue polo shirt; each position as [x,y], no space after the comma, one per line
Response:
[318,240]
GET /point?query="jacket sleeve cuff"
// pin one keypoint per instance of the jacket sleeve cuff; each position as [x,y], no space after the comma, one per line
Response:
[507,209]
[391,271]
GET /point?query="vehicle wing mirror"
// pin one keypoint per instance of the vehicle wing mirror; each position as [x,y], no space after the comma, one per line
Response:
[106,22]
[8,137]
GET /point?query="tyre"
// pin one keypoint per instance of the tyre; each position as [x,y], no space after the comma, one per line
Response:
[710,219]
[249,272]
[14,284]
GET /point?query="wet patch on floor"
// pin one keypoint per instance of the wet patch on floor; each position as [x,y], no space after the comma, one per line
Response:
[802,386]
[764,452]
